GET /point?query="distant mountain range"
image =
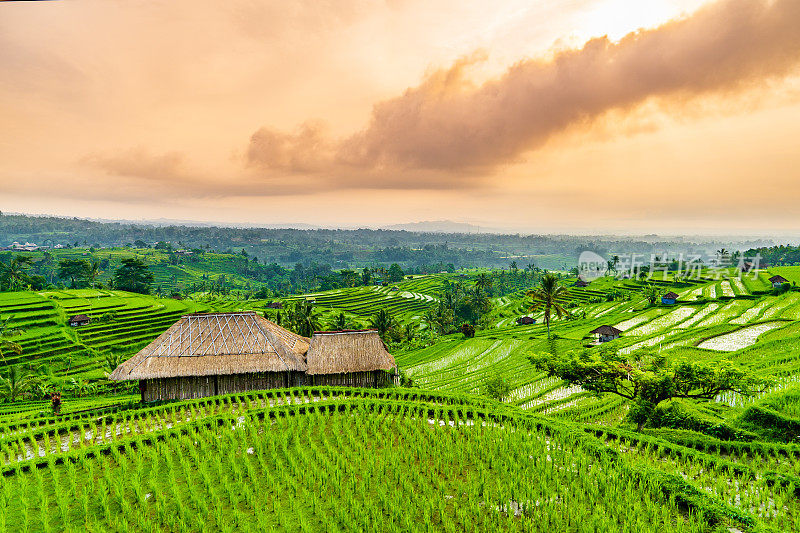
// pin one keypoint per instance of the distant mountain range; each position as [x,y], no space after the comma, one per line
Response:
[436,226]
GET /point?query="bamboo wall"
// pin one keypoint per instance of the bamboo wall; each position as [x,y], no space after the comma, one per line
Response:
[376,378]
[184,388]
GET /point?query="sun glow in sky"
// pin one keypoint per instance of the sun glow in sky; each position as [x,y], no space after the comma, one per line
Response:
[570,115]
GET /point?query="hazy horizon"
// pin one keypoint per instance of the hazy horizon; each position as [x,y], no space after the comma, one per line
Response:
[572,116]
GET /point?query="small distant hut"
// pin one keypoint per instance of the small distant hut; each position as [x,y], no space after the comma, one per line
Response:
[395,289]
[606,333]
[581,283]
[777,281]
[669,299]
[79,320]
[275,305]
[222,353]
[351,358]
[525,321]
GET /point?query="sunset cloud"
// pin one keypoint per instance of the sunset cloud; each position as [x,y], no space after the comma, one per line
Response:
[511,114]
[447,125]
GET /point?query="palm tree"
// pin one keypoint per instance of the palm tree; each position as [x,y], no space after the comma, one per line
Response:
[382,321]
[16,382]
[432,319]
[305,320]
[7,345]
[112,361]
[546,298]
[93,273]
[340,322]
[410,331]
[650,293]
[483,282]
[722,255]
[15,270]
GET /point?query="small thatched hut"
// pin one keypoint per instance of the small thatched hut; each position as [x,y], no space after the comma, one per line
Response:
[221,353]
[79,320]
[778,281]
[352,358]
[670,298]
[606,333]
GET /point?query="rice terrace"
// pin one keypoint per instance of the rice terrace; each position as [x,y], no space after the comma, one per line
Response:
[457,266]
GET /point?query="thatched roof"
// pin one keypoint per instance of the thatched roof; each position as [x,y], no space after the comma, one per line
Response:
[335,352]
[778,279]
[79,318]
[217,344]
[606,330]
[670,296]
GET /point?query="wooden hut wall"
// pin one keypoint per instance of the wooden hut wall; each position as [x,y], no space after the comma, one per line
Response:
[181,388]
[376,378]
[247,382]
[184,388]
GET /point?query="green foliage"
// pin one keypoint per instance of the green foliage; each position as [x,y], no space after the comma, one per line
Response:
[382,321]
[15,382]
[682,414]
[133,276]
[75,270]
[547,298]
[14,274]
[647,378]
[395,273]
[651,293]
[497,388]
[301,318]
[771,424]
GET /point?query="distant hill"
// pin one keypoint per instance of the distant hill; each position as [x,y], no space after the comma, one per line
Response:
[436,226]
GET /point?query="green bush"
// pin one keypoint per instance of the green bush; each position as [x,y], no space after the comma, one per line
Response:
[683,414]
[771,424]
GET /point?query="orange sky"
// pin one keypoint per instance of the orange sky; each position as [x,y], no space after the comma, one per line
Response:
[572,115]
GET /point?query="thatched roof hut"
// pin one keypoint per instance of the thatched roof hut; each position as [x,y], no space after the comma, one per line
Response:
[778,280]
[606,330]
[221,353]
[79,320]
[606,333]
[347,351]
[216,344]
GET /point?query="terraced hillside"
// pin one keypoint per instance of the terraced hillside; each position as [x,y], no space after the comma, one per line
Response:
[735,324]
[122,322]
[397,460]
[364,302]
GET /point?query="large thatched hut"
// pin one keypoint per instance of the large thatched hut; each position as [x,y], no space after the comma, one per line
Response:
[221,353]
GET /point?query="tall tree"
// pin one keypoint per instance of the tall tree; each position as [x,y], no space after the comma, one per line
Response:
[16,382]
[133,276]
[74,270]
[483,282]
[650,293]
[340,322]
[646,378]
[546,298]
[382,321]
[93,272]
[15,272]
[304,319]
[395,272]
